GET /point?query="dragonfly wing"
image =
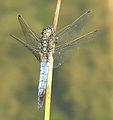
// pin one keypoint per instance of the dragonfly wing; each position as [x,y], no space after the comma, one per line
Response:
[72,31]
[29,47]
[62,52]
[31,37]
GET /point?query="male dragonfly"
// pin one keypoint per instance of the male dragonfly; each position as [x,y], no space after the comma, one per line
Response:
[59,44]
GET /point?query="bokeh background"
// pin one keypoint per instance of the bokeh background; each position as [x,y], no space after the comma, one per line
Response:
[82,87]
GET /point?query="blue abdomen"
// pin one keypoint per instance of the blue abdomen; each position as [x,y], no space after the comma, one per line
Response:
[42,81]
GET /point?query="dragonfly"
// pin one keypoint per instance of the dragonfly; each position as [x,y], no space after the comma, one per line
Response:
[59,44]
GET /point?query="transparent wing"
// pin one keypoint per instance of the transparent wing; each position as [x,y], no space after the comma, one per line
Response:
[72,31]
[29,47]
[62,52]
[31,37]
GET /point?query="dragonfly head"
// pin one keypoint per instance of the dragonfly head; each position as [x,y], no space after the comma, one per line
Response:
[47,31]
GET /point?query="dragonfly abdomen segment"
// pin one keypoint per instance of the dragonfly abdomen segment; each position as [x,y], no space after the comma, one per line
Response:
[42,81]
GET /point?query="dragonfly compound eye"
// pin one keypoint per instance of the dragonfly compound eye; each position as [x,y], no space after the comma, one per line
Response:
[47,31]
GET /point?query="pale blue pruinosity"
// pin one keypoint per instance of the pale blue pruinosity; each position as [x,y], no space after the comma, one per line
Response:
[44,68]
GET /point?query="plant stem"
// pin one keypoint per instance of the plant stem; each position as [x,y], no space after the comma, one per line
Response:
[49,80]
[48,90]
[55,21]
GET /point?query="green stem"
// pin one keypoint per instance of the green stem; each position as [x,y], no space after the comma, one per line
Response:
[48,90]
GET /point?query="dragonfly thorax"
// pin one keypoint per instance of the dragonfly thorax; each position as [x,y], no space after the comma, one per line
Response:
[47,47]
[44,42]
[48,40]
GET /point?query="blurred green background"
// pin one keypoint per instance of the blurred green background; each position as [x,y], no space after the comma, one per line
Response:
[82,87]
